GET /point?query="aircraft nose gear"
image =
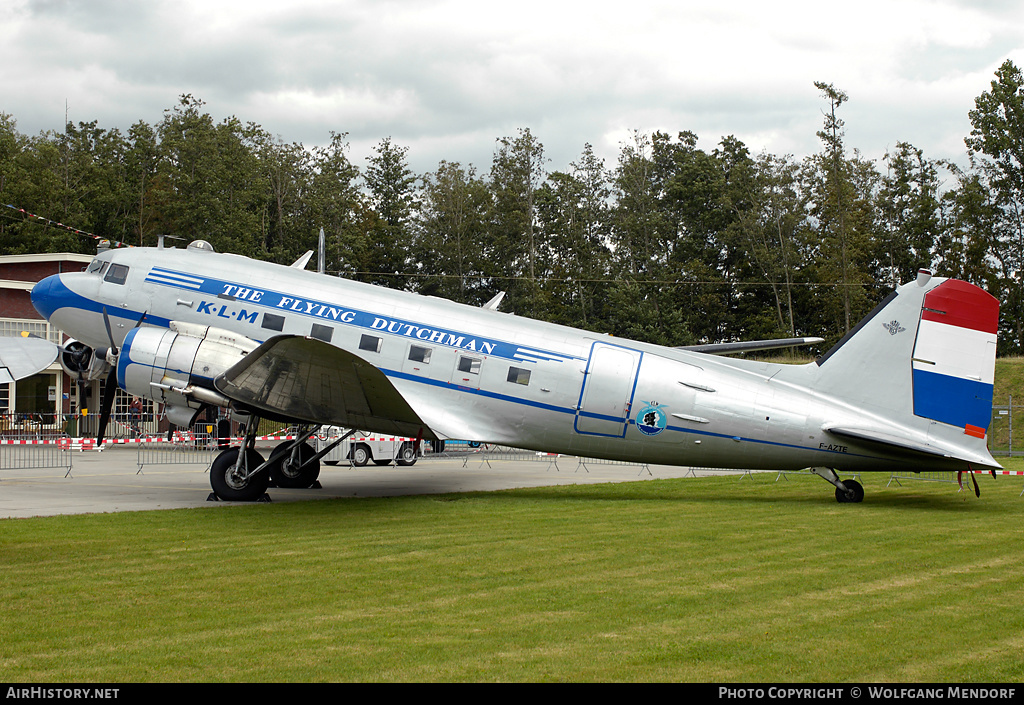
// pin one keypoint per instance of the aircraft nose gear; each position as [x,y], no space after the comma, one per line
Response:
[847,491]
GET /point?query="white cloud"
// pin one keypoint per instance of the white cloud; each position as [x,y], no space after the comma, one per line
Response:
[447,77]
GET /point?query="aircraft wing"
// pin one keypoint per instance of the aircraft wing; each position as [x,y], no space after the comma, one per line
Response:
[24,357]
[750,345]
[305,379]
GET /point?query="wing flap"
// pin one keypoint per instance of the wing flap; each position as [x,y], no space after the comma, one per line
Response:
[305,379]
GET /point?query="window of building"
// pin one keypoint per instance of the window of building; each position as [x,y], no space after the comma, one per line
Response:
[370,342]
[518,375]
[14,327]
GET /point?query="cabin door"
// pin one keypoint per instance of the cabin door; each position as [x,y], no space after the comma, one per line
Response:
[607,392]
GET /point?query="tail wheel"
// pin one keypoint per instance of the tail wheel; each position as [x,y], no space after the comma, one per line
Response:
[232,487]
[854,493]
[406,454]
[286,472]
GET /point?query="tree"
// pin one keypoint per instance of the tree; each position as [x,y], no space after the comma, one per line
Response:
[572,214]
[997,136]
[838,192]
[333,202]
[767,233]
[908,207]
[449,242]
[392,196]
[517,170]
[214,174]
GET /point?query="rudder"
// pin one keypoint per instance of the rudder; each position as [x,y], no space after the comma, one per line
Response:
[954,356]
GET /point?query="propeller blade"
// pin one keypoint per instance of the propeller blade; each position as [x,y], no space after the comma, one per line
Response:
[109,391]
[110,386]
[110,335]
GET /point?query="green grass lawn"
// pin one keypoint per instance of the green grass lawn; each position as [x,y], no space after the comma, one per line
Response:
[714,579]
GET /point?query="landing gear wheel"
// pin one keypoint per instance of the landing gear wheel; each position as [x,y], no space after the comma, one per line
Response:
[853,495]
[406,454]
[232,488]
[361,455]
[287,474]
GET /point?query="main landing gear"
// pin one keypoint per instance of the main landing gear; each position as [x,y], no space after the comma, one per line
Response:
[847,491]
[244,477]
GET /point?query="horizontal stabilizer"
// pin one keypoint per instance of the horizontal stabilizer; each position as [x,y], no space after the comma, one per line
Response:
[750,345]
[893,441]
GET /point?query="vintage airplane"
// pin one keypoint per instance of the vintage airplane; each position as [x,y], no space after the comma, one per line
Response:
[909,388]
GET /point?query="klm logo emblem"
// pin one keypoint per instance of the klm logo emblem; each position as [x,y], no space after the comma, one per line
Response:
[893,327]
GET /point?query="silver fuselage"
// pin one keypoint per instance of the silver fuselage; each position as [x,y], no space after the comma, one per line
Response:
[488,376]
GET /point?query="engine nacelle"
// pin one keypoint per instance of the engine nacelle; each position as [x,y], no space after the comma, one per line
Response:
[81,362]
[178,366]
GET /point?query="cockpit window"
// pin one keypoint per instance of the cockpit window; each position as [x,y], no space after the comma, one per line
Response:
[117,274]
[97,266]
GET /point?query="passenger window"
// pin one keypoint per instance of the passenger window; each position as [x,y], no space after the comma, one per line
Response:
[418,353]
[273,322]
[324,333]
[517,375]
[117,274]
[370,342]
[470,365]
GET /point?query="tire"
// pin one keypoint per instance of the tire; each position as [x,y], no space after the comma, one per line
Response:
[361,455]
[230,489]
[406,455]
[855,494]
[283,475]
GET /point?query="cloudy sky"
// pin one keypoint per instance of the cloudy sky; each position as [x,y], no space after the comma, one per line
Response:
[447,77]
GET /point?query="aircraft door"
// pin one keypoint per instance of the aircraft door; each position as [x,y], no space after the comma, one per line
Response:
[607,392]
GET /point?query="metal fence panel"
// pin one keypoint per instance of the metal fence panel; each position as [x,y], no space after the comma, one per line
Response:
[1006,418]
[31,453]
[195,447]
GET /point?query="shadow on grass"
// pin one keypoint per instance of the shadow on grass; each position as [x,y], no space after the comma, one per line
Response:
[729,490]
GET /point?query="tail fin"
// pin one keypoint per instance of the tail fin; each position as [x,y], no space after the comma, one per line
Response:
[923,360]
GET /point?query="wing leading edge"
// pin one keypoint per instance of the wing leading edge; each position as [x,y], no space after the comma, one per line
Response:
[299,378]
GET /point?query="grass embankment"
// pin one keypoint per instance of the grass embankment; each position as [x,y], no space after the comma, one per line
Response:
[714,579]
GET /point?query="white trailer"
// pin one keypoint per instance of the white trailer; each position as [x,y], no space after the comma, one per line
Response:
[361,448]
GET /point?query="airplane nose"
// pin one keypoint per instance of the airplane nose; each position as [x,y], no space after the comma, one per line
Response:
[44,296]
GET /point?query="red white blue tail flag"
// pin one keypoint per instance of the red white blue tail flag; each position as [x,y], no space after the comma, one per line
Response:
[954,356]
